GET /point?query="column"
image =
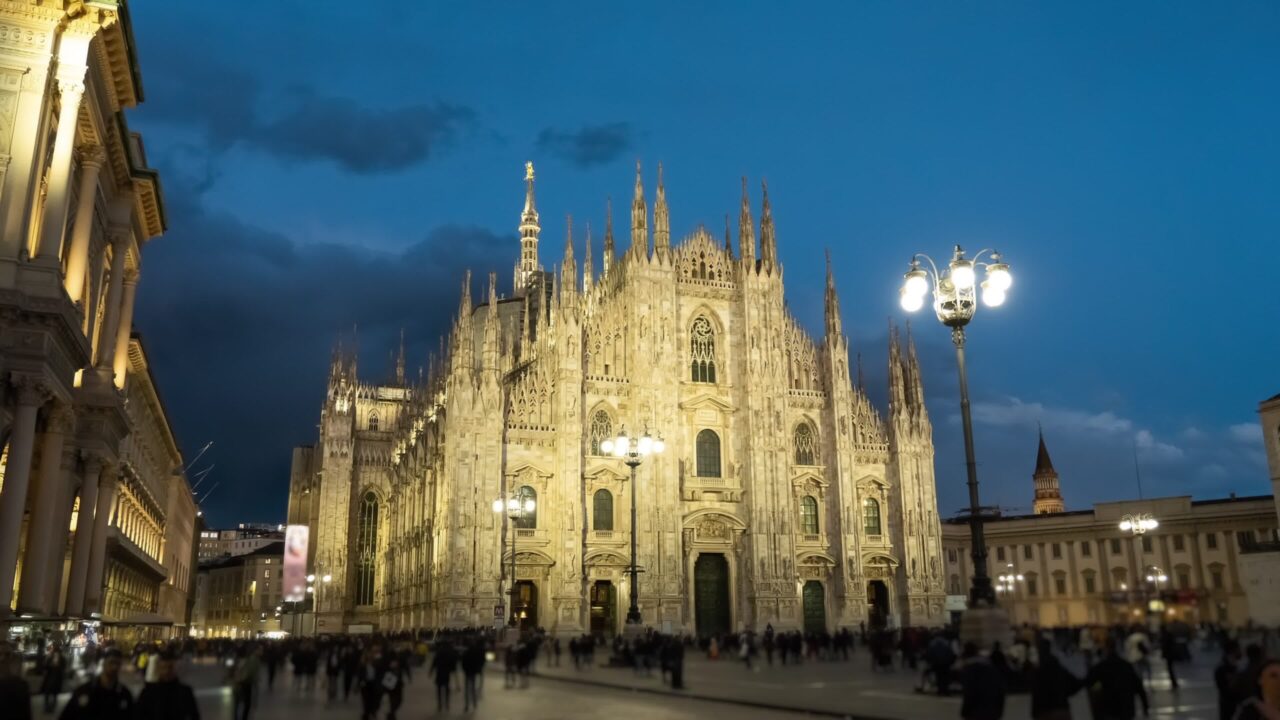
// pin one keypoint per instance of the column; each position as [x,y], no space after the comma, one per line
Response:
[92,159]
[41,532]
[67,483]
[106,350]
[84,535]
[58,196]
[13,497]
[21,176]
[98,552]
[121,366]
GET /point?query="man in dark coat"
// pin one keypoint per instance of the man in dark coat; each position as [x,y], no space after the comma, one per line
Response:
[103,697]
[1226,677]
[442,666]
[1113,684]
[984,687]
[472,665]
[1052,686]
[168,698]
[15,694]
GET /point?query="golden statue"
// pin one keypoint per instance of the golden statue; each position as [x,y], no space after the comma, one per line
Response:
[528,171]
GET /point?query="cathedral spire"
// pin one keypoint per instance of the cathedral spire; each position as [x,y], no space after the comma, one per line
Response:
[528,234]
[897,383]
[400,360]
[1048,497]
[728,242]
[768,242]
[569,268]
[588,271]
[491,326]
[639,219]
[862,381]
[913,371]
[835,327]
[661,219]
[746,229]
[608,238]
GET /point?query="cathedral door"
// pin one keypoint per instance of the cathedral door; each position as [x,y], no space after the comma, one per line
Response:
[815,607]
[711,594]
[878,603]
[604,609]
[526,605]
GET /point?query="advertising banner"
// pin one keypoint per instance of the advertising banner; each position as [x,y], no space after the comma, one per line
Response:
[295,563]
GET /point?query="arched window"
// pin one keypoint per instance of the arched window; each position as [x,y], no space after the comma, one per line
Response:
[871,516]
[954,584]
[808,515]
[806,445]
[601,430]
[373,422]
[702,350]
[708,451]
[602,510]
[527,520]
[366,548]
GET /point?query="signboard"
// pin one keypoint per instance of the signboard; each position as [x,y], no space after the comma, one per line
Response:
[296,538]
[499,611]
[956,603]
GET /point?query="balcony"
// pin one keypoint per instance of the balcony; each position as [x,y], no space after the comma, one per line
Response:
[607,537]
[710,489]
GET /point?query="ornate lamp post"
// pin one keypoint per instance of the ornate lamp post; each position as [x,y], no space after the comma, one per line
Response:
[955,300]
[516,507]
[633,451]
[1006,582]
[1138,523]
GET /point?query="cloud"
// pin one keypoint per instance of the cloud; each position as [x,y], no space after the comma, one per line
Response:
[1014,412]
[1246,433]
[229,107]
[1153,449]
[589,145]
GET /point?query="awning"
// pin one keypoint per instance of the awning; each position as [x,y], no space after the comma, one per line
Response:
[147,618]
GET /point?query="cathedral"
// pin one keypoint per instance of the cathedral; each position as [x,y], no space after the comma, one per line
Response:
[783,496]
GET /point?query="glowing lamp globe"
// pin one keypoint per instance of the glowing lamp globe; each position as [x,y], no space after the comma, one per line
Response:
[962,274]
[999,276]
[916,283]
[911,302]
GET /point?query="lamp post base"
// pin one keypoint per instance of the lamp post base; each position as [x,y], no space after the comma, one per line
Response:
[984,626]
[632,629]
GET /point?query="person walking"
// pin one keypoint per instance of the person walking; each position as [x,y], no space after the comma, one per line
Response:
[393,685]
[103,697]
[15,694]
[1113,684]
[1226,677]
[350,669]
[168,698]
[472,666]
[1052,686]
[55,670]
[1170,651]
[443,665]
[984,687]
[332,672]
[370,683]
[244,680]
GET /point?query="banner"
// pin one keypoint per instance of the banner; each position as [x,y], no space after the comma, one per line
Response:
[295,563]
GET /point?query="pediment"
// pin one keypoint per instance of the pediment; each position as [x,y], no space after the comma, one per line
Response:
[809,478]
[605,472]
[816,558]
[605,557]
[526,470]
[706,400]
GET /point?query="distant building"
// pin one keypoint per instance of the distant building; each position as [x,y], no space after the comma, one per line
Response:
[237,597]
[1048,494]
[247,538]
[1260,565]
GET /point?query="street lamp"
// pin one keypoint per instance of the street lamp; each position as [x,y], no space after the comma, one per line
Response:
[1138,523]
[955,290]
[515,507]
[1006,582]
[633,451]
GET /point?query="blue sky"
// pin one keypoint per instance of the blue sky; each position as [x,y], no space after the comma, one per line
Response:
[327,164]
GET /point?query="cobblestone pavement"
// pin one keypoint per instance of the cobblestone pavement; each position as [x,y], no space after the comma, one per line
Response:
[713,688]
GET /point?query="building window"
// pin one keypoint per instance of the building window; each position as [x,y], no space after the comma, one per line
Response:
[1211,540]
[1178,544]
[366,549]
[871,516]
[602,510]
[1215,576]
[1026,552]
[1184,580]
[1060,584]
[808,515]
[955,584]
[702,351]
[1033,586]
[373,421]
[1244,539]
[708,451]
[1000,553]
[1115,546]
[951,555]
[601,430]
[1086,549]
[1120,578]
[1146,544]
[806,445]
[1090,585]
[527,520]
[1057,551]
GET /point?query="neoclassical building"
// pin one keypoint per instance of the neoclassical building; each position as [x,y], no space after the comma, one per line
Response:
[783,495]
[95,524]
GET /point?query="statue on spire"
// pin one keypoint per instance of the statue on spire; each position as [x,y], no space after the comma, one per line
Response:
[746,228]
[639,218]
[661,219]
[529,230]
[768,241]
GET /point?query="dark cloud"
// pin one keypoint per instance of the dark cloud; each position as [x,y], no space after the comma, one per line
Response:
[240,322]
[230,107]
[589,145]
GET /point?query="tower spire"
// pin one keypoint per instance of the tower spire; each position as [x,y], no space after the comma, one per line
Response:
[835,327]
[588,271]
[639,219]
[400,360]
[608,238]
[728,243]
[768,242]
[746,229]
[569,268]
[1048,492]
[529,230]
[897,383]
[661,219]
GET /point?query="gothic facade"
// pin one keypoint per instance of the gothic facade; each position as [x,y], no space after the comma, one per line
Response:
[783,495]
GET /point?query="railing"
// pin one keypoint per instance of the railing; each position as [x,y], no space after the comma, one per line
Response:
[601,534]
[705,481]
[526,532]
[810,538]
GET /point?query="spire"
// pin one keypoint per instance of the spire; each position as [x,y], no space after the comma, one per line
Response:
[835,327]
[464,307]
[1048,498]
[728,243]
[608,238]
[528,233]
[897,383]
[639,219]
[491,326]
[913,371]
[661,219]
[569,268]
[400,360]
[862,381]
[587,270]
[746,230]
[768,243]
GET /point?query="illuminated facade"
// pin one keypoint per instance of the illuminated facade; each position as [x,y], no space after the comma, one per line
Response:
[783,496]
[93,519]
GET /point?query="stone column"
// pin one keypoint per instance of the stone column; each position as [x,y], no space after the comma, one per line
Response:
[41,532]
[92,159]
[62,526]
[57,199]
[13,497]
[83,547]
[111,325]
[121,366]
[98,551]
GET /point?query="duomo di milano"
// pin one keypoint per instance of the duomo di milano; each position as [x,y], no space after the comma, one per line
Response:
[783,495]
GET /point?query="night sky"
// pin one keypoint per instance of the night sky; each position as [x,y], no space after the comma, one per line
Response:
[329,166]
